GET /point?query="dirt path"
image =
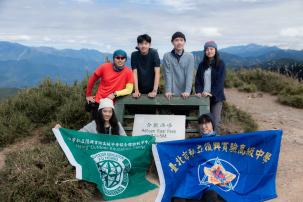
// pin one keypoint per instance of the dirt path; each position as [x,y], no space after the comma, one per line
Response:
[271,115]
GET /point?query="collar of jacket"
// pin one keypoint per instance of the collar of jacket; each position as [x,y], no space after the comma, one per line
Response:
[212,134]
[212,63]
[173,52]
[117,69]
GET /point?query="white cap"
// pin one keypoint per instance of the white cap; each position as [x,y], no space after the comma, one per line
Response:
[106,102]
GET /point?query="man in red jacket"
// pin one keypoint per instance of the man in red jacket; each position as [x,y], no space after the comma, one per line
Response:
[116,81]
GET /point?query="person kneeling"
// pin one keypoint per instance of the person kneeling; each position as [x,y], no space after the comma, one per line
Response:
[207,125]
[106,121]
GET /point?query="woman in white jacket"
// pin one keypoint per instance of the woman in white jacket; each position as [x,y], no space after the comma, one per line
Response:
[106,121]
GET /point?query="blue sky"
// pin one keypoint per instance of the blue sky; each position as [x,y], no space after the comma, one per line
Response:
[108,25]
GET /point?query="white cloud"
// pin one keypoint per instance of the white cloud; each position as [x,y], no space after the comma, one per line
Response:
[15,37]
[46,38]
[292,32]
[209,31]
[249,1]
[84,1]
[179,5]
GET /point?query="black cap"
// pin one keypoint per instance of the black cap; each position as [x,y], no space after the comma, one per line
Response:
[178,35]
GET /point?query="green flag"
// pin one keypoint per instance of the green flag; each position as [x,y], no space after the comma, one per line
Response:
[117,164]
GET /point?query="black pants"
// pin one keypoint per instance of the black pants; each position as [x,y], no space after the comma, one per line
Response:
[93,109]
[208,196]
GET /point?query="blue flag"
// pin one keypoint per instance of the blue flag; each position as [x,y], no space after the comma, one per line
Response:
[239,167]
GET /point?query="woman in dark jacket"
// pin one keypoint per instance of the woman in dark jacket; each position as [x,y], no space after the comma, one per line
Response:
[210,80]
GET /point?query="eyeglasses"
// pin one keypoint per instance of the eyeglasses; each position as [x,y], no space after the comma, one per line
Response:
[120,58]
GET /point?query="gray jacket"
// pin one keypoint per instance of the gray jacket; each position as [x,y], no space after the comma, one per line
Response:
[178,74]
[92,128]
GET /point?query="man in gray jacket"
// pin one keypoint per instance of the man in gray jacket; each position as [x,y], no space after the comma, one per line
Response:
[178,68]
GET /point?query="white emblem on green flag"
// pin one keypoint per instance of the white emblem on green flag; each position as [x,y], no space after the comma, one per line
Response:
[113,170]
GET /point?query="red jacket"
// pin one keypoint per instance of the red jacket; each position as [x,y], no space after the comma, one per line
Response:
[111,80]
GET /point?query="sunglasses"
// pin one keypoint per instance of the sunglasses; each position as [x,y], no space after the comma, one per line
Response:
[120,58]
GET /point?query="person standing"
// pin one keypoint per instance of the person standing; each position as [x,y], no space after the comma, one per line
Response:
[116,81]
[145,63]
[178,68]
[210,79]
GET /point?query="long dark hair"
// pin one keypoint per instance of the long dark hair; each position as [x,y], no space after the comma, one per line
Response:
[100,122]
[206,60]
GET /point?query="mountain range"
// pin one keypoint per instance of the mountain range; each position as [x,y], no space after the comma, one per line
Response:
[253,54]
[24,66]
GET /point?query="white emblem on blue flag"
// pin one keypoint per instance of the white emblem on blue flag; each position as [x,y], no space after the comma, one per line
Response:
[220,173]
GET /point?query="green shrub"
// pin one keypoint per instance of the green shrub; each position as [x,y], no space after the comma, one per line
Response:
[50,102]
[38,108]
[41,173]
[288,90]
[232,80]
[13,124]
[161,88]
[229,79]
[291,100]
[72,113]
[249,88]
[235,120]
[46,133]
[264,80]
